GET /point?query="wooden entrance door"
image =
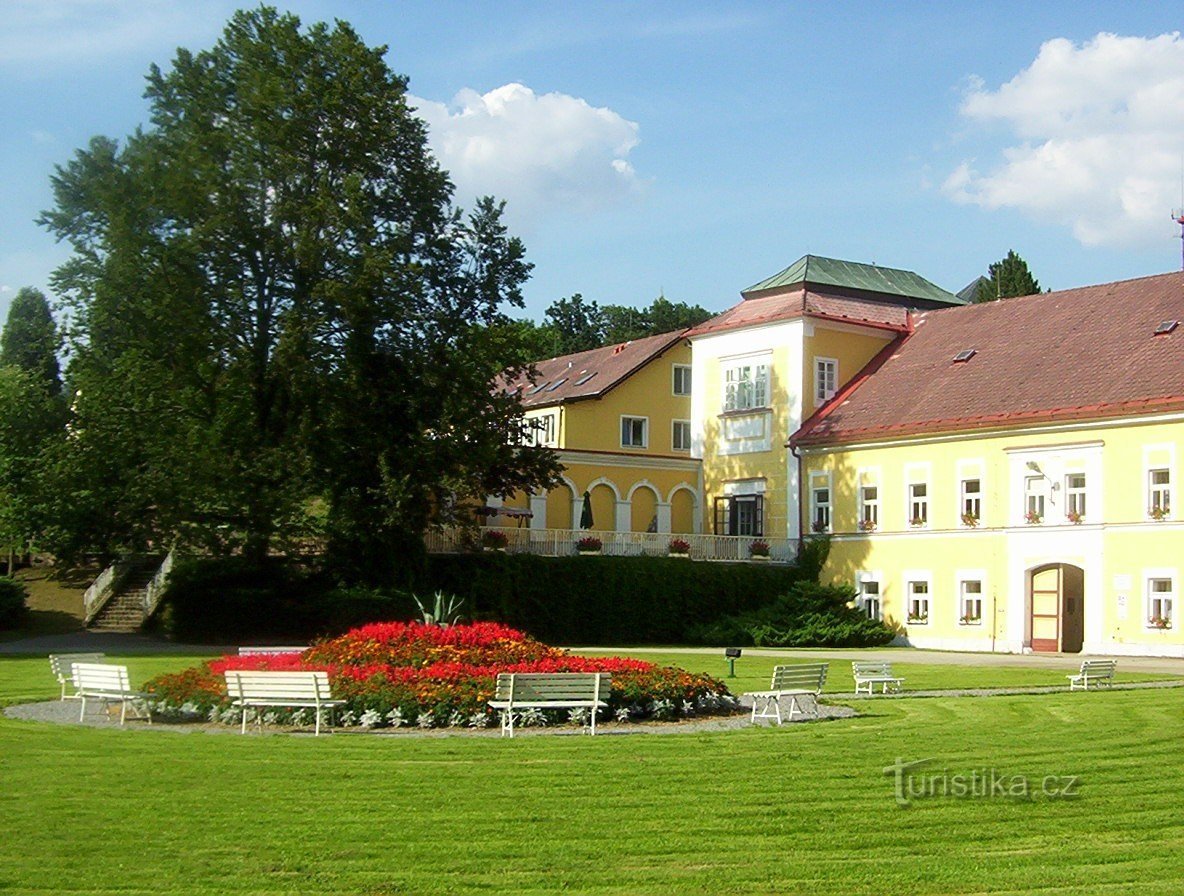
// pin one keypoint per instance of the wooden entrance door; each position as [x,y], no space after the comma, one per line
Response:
[1046,609]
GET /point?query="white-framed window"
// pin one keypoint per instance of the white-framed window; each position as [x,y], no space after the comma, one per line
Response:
[635,432]
[820,508]
[826,379]
[971,503]
[1075,497]
[1035,498]
[746,386]
[970,602]
[869,598]
[918,608]
[682,379]
[680,436]
[539,430]
[1159,493]
[918,504]
[869,507]
[1161,598]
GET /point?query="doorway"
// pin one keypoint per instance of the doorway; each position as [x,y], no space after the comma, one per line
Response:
[1056,601]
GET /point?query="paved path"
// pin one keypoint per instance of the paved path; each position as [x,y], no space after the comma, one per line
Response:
[114,643]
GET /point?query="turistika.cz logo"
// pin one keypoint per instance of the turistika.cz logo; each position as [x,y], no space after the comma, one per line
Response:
[915,781]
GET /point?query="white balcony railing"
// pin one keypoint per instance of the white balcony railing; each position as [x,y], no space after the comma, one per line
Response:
[562,543]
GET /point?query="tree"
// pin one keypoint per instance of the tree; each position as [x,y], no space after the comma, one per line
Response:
[30,339]
[1007,278]
[578,325]
[273,297]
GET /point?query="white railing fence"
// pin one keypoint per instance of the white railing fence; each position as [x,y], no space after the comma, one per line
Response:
[155,590]
[102,588]
[563,542]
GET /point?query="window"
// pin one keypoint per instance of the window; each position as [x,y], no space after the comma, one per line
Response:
[820,514]
[740,515]
[918,504]
[544,430]
[633,432]
[919,603]
[972,502]
[1159,487]
[869,507]
[970,609]
[682,379]
[681,437]
[1034,495]
[746,386]
[869,597]
[1160,596]
[1075,497]
[826,379]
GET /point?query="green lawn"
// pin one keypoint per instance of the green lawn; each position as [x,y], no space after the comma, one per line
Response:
[803,808]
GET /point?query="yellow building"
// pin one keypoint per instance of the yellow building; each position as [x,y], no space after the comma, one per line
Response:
[619,418]
[1000,478]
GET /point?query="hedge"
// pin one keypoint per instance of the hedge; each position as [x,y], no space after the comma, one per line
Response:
[13,610]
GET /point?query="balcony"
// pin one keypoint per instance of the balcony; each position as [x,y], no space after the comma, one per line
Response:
[562,543]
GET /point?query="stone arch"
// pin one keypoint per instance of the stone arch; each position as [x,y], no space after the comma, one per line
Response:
[643,507]
[684,510]
[604,495]
[559,505]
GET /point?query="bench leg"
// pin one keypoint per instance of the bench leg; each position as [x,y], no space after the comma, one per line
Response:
[82,713]
[244,710]
[507,722]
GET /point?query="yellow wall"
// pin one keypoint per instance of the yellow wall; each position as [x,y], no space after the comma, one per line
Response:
[850,347]
[1117,544]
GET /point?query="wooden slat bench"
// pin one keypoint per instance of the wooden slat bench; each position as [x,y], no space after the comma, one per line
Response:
[800,680]
[287,690]
[868,675]
[61,664]
[108,684]
[517,691]
[1093,672]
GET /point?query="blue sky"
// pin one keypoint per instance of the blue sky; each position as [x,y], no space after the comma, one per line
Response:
[696,148]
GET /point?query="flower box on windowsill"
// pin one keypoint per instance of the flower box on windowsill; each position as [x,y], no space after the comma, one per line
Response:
[1159,623]
[1075,518]
[918,620]
[1032,518]
[867,526]
[1159,514]
[970,620]
[970,521]
[917,523]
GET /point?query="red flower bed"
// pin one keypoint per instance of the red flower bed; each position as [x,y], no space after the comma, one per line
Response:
[408,673]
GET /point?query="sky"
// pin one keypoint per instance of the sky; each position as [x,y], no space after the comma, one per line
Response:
[693,149]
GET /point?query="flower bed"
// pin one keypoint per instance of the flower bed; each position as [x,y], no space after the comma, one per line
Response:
[395,674]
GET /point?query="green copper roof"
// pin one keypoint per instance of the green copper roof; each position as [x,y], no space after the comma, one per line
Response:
[819,271]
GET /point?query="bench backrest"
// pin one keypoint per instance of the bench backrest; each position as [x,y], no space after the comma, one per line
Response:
[255,685]
[799,677]
[269,651]
[526,687]
[60,663]
[866,669]
[1098,667]
[101,678]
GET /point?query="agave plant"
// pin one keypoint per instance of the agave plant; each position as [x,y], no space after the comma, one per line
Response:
[446,609]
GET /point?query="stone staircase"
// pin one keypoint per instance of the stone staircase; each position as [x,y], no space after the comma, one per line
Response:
[124,611]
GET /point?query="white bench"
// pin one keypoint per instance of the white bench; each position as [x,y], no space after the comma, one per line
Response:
[289,690]
[517,691]
[108,684]
[269,651]
[800,680]
[868,675]
[61,664]
[1095,672]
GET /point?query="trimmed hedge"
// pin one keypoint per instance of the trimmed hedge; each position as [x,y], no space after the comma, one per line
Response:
[13,609]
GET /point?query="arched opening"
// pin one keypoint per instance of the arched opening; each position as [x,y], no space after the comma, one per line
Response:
[644,510]
[682,512]
[1056,608]
[559,507]
[604,508]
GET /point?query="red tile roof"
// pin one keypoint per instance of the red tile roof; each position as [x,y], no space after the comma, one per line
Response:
[1078,354]
[806,302]
[592,373]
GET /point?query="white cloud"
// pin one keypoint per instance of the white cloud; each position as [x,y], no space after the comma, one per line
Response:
[540,152]
[1101,139]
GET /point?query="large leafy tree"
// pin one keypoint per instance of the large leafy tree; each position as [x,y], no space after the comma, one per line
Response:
[271,286]
[30,339]
[1007,278]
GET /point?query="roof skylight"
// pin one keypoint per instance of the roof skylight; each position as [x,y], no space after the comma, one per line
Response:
[583,379]
[555,385]
[965,355]
[1166,326]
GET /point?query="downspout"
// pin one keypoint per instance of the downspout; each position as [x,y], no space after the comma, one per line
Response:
[801,497]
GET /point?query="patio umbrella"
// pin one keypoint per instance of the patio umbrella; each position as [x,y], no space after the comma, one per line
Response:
[586,513]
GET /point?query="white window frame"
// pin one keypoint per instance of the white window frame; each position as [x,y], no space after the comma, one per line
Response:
[1036,497]
[1075,495]
[869,508]
[872,604]
[970,502]
[819,510]
[966,597]
[645,431]
[826,379]
[685,369]
[674,427]
[918,506]
[917,593]
[1159,494]
[746,385]
[1157,602]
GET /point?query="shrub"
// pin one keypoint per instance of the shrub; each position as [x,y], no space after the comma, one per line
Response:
[391,673]
[13,610]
